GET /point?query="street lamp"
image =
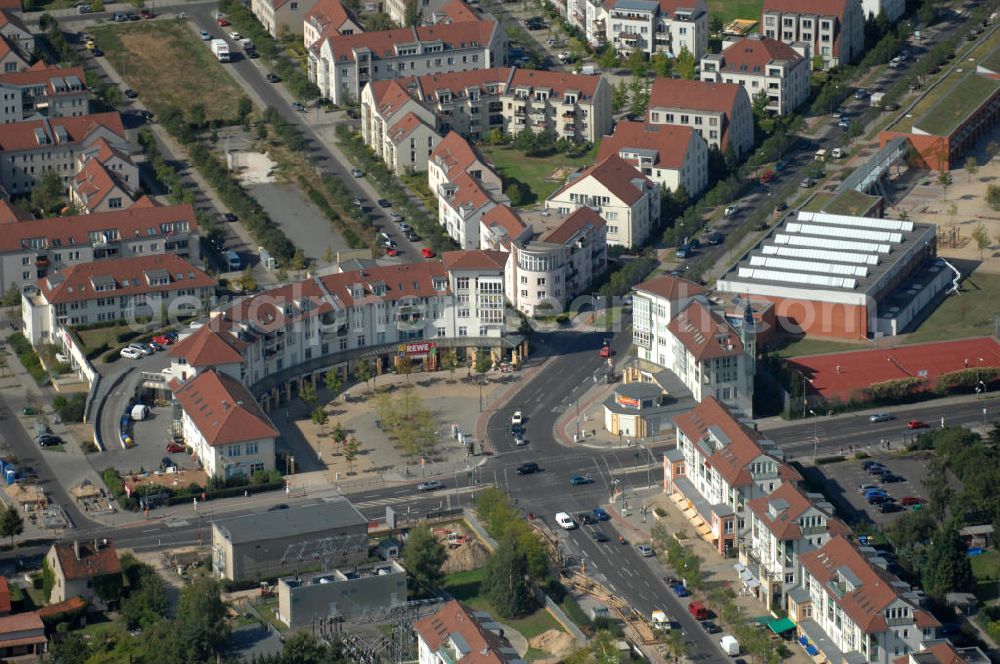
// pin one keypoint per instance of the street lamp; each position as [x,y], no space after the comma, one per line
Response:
[815,433]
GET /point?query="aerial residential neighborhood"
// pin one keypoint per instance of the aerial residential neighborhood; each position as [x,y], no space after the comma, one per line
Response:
[479,331]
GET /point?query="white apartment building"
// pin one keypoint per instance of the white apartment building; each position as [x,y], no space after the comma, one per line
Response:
[120,289]
[328,17]
[675,327]
[892,9]
[854,610]
[833,29]
[30,248]
[221,422]
[467,102]
[341,65]
[595,27]
[671,155]
[762,66]
[454,156]
[719,465]
[462,202]
[625,198]
[783,526]
[95,189]
[32,148]
[281,17]
[43,91]
[432,12]
[397,127]
[456,635]
[657,26]
[720,112]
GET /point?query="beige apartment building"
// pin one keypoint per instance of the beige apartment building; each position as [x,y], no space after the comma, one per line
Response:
[834,30]
[762,66]
[670,155]
[719,112]
[43,91]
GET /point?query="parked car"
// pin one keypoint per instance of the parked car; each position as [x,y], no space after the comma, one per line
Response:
[878,499]
[578,480]
[731,210]
[427,253]
[909,501]
[176,448]
[565,521]
[529,468]
[403,226]
[880,417]
[860,93]
[411,236]
[516,418]
[430,485]
[357,172]
[865,488]
[47,439]
[298,107]
[167,463]
[272,78]
[917,424]
[383,203]
[395,216]
[680,590]
[586,518]
[645,550]
[130,93]
[130,353]
[684,251]
[279,507]
[163,340]
[206,36]
[520,440]
[716,238]
[601,514]
[868,465]
[147,13]
[888,507]
[891,478]
[96,52]
[391,251]
[710,627]
[807,182]
[156,346]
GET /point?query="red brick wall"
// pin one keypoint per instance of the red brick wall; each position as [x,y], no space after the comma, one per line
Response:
[931,152]
[820,319]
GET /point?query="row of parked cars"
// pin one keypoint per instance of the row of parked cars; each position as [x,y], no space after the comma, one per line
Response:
[878,497]
[141,349]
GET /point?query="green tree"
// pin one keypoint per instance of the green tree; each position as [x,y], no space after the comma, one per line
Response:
[244,107]
[363,372]
[525,140]
[993,196]
[319,418]
[484,362]
[201,625]
[351,450]
[686,65]
[639,97]
[948,568]
[939,491]
[307,392]
[11,523]
[662,65]
[971,166]
[71,648]
[619,97]
[331,380]
[423,557]
[449,361]
[304,648]
[715,24]
[515,192]
[945,180]
[146,603]
[507,584]
[412,16]
[982,239]
[637,62]
[197,115]
[248,280]
[48,195]
[298,261]
[676,645]
[608,58]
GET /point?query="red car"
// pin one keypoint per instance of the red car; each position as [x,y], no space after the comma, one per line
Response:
[176,448]
[427,253]
[911,500]
[147,13]
[389,251]
[223,23]
[163,340]
[917,424]
[605,351]
[766,177]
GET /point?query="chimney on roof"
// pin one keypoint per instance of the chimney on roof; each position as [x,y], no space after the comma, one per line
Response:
[76,548]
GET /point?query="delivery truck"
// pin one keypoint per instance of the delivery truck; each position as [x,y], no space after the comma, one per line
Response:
[220,49]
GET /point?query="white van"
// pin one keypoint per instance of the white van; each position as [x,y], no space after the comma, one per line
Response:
[233,261]
[565,520]
[140,411]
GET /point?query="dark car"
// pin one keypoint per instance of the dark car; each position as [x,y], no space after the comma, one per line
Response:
[167,462]
[47,439]
[888,507]
[96,52]
[383,203]
[710,627]
[870,464]
[528,468]
[272,78]
[411,236]
[586,518]
[716,238]
[599,536]
[278,507]
[131,94]
[890,478]
[229,216]
[879,499]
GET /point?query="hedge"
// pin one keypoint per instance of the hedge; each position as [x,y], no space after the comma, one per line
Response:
[830,459]
[28,357]
[229,492]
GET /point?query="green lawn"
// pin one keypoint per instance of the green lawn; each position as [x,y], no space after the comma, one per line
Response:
[533,172]
[168,65]
[986,569]
[101,335]
[962,99]
[807,346]
[731,9]
[464,586]
[969,314]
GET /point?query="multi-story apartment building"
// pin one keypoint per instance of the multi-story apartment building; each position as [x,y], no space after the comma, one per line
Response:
[720,112]
[29,249]
[763,66]
[892,9]
[120,289]
[627,200]
[341,65]
[281,17]
[469,102]
[43,91]
[856,609]
[576,107]
[96,188]
[455,635]
[462,202]
[719,465]
[272,341]
[834,30]
[657,26]
[783,526]
[670,155]
[430,12]
[595,26]
[397,127]
[30,149]
[675,327]
[221,422]
[454,156]
[328,17]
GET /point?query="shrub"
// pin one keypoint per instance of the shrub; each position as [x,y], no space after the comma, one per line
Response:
[862,455]
[28,357]
[830,459]
[71,409]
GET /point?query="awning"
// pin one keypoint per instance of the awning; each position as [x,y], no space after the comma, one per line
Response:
[739,567]
[745,576]
[804,640]
[812,650]
[752,583]
[703,529]
[781,626]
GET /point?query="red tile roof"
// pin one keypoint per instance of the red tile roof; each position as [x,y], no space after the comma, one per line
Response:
[21,622]
[705,334]
[4,596]
[821,7]
[474,260]
[6,47]
[457,11]
[10,214]
[581,218]
[41,74]
[454,154]
[69,231]
[695,95]
[130,276]
[10,4]
[617,175]
[59,608]
[502,216]
[405,127]
[669,141]
[92,561]
[383,44]
[469,193]
[206,347]
[670,288]
[558,82]
[459,81]
[745,54]
[865,604]
[670,7]
[222,409]
[93,183]
[21,135]
[484,646]
[785,526]
[104,151]
[389,97]
[329,15]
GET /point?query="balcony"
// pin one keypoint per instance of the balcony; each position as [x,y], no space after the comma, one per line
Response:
[568,114]
[569,129]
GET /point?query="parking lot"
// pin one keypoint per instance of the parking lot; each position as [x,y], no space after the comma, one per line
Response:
[151,436]
[845,479]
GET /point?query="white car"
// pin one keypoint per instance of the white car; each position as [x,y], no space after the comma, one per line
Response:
[516,418]
[130,353]
[565,520]
[731,210]
[235,36]
[205,36]
[141,349]
[62,359]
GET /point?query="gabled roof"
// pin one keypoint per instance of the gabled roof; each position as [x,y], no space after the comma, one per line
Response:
[456,11]
[558,82]
[104,151]
[696,95]
[93,183]
[670,288]
[501,216]
[8,17]
[28,135]
[578,220]
[819,7]
[49,76]
[19,623]
[405,127]
[454,155]
[474,260]
[469,193]
[745,54]
[617,175]
[452,36]
[458,82]
[705,334]
[668,143]
[119,277]
[785,525]
[389,97]
[329,15]
[454,626]
[10,214]
[206,347]
[222,409]
[6,48]
[671,7]
[91,562]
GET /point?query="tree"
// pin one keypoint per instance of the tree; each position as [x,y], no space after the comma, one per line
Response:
[948,568]
[72,648]
[992,148]
[244,107]
[298,261]
[515,192]
[982,239]
[146,603]
[639,94]
[304,648]
[319,418]
[759,105]
[484,362]
[307,392]
[939,491]
[449,361]
[201,625]
[676,645]
[608,58]
[971,166]
[715,24]
[945,179]
[525,140]
[685,65]
[11,523]
[331,380]
[197,115]
[423,557]
[637,62]
[507,584]
[412,14]
[661,65]
[351,450]
[248,281]
[362,372]
[619,97]
[329,255]
[993,196]
[47,195]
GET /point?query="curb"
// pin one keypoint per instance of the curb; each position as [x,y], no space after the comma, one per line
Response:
[502,400]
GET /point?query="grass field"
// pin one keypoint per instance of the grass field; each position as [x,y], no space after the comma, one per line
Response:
[807,346]
[986,569]
[532,172]
[100,335]
[969,314]
[168,65]
[730,9]
[464,586]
